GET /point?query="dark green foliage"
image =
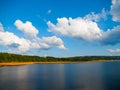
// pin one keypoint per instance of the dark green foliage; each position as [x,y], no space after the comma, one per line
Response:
[5,57]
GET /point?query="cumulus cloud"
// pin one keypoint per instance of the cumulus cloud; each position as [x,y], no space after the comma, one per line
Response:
[96,17]
[76,28]
[83,29]
[22,45]
[115,10]
[114,50]
[47,43]
[53,41]
[10,39]
[112,36]
[27,28]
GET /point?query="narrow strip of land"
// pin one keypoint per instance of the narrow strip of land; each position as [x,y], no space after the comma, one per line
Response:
[8,59]
[27,63]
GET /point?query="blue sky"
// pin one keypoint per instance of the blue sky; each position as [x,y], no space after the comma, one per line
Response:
[60,28]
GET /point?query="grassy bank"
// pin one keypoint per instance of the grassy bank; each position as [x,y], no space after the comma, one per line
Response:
[28,63]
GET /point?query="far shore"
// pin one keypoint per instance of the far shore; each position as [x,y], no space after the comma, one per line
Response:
[65,62]
[27,63]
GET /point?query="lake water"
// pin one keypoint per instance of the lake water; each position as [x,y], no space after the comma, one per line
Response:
[82,76]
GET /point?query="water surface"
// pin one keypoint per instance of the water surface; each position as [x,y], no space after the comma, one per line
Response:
[82,76]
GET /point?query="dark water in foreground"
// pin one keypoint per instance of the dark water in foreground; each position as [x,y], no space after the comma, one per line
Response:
[83,76]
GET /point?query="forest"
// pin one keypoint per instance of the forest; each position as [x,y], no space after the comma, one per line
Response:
[7,57]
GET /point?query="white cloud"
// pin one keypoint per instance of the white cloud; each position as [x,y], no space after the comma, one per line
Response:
[112,36]
[114,50]
[96,17]
[84,29]
[53,41]
[10,39]
[27,28]
[47,43]
[76,28]
[49,11]
[115,10]
[22,45]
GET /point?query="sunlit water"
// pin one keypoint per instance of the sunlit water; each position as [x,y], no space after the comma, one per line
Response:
[83,76]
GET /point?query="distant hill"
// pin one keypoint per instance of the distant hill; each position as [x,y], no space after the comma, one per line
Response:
[7,57]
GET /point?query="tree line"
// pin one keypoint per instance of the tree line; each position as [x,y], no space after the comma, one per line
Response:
[7,57]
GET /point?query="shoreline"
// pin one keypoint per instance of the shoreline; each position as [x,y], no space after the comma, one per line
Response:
[28,63]
[65,62]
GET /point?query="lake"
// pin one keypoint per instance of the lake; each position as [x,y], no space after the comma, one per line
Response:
[81,76]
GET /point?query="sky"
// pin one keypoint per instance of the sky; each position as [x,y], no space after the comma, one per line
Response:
[60,28]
